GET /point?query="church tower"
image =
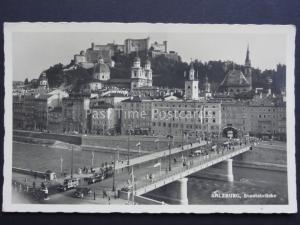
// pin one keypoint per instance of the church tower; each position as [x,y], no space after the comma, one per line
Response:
[248,70]
[136,73]
[191,85]
[148,72]
[207,89]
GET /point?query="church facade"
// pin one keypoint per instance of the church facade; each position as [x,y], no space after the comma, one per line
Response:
[141,76]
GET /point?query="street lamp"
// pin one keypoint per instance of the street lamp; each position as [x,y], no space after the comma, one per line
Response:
[113,187]
[128,148]
[72,161]
[169,143]
[157,143]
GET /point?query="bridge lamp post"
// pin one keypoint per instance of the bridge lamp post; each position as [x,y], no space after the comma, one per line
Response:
[169,143]
[113,187]
[128,148]
[157,143]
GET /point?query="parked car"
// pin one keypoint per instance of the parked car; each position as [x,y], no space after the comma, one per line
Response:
[82,192]
[68,184]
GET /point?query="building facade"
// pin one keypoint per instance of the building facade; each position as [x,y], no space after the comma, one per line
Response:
[103,118]
[141,76]
[181,117]
[75,110]
[135,45]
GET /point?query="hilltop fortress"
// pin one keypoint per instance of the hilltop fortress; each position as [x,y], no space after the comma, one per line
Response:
[87,59]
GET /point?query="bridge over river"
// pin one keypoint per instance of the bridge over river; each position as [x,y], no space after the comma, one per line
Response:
[172,167]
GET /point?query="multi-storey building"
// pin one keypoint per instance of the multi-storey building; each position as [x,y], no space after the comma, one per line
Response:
[55,120]
[256,117]
[75,110]
[18,111]
[179,117]
[31,111]
[103,118]
[235,118]
[136,114]
[267,118]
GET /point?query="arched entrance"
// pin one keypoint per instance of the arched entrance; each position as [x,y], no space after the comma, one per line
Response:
[230,132]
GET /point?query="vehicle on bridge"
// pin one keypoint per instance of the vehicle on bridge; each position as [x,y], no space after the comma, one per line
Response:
[97,177]
[81,192]
[68,184]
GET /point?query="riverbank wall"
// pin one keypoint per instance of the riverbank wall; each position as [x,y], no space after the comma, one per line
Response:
[71,139]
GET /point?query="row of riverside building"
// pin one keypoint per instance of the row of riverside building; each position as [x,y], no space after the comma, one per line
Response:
[134,112]
[60,112]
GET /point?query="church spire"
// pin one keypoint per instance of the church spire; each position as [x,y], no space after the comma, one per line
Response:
[247,61]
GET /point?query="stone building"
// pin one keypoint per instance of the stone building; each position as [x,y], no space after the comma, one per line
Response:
[135,45]
[75,110]
[256,117]
[235,118]
[55,120]
[181,117]
[267,117]
[136,115]
[18,111]
[103,118]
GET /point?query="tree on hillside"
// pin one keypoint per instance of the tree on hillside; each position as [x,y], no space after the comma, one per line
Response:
[55,75]
[26,81]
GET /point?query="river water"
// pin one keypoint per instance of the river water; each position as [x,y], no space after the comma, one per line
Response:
[247,181]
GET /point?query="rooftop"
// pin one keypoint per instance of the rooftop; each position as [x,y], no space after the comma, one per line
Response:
[235,78]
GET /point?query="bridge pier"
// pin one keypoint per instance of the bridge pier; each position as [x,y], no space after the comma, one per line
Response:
[230,177]
[182,191]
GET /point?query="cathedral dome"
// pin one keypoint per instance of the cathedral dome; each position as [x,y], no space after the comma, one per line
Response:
[101,68]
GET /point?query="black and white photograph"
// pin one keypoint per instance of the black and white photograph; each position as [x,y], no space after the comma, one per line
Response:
[140,117]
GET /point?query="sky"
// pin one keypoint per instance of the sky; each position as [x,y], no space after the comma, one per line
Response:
[34,52]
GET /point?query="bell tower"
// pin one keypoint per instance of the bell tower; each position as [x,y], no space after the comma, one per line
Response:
[191,85]
[248,70]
